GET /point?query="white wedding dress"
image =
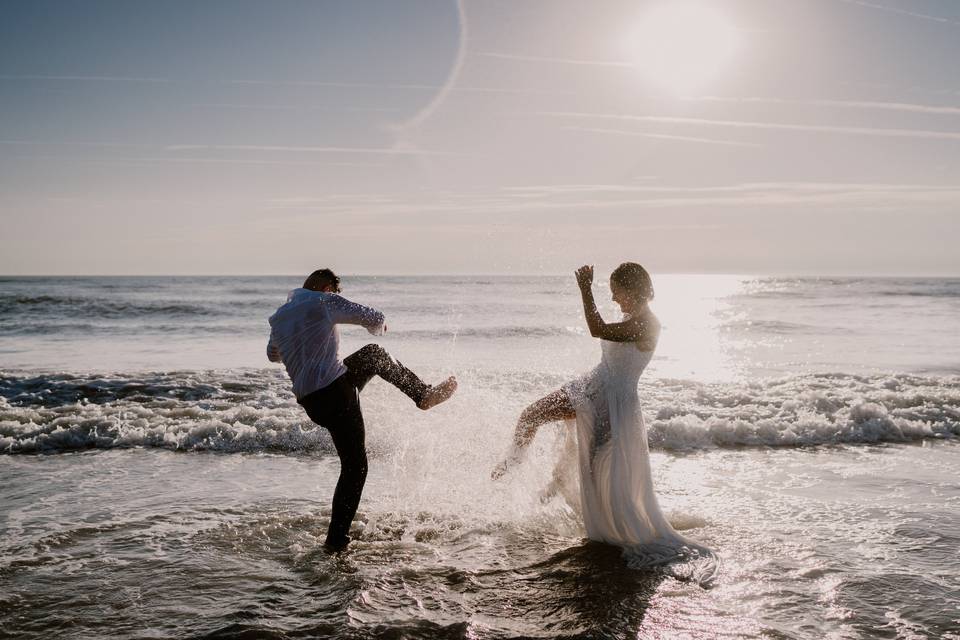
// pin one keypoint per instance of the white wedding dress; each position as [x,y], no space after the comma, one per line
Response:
[616,494]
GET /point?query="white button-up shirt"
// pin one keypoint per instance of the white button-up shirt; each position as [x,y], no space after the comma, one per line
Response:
[304,336]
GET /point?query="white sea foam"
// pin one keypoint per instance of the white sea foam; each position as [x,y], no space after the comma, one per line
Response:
[253,411]
[805,410]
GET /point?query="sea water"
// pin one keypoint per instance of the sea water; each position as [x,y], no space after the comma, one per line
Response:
[158,479]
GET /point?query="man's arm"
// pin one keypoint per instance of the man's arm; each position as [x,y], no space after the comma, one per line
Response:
[342,311]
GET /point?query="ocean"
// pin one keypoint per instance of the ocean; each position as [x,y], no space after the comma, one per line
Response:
[158,479]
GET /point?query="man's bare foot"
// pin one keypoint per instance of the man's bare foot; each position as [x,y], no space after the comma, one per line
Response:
[332,547]
[438,393]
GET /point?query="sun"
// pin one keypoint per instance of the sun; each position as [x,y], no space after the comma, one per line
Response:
[682,45]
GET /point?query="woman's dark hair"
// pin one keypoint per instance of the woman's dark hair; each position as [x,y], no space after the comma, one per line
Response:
[320,278]
[634,279]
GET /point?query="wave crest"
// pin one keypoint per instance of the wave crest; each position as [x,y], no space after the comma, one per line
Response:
[253,410]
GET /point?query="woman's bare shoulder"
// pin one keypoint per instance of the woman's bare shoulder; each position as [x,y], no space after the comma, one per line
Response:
[650,334]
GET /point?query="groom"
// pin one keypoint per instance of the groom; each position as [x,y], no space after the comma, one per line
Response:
[305,338]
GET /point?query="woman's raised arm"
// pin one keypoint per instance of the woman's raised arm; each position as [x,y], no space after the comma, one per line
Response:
[630,330]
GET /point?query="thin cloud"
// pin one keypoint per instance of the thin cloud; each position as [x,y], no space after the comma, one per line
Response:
[902,12]
[253,162]
[123,160]
[333,198]
[776,126]
[288,83]
[342,85]
[306,149]
[559,198]
[664,136]
[100,145]
[769,187]
[507,91]
[278,83]
[590,63]
[283,107]
[388,86]
[873,201]
[233,147]
[85,78]
[843,104]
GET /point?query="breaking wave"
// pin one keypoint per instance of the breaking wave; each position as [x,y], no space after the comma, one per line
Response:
[253,410]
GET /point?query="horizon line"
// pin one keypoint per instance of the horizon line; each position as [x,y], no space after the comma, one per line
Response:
[741,274]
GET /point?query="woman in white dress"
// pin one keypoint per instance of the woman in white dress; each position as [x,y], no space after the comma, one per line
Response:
[617,500]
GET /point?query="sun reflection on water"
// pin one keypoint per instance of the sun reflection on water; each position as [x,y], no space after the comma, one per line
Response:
[692,309]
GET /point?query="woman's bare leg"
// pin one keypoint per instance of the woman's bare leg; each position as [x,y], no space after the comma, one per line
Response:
[550,408]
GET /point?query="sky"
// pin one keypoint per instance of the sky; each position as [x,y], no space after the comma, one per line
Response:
[479,136]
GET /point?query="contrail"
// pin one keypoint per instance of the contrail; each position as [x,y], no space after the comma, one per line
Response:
[664,136]
[590,63]
[902,12]
[309,149]
[779,126]
[844,104]
[344,85]
[85,78]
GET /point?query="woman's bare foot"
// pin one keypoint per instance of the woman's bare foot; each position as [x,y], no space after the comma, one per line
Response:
[438,393]
[499,470]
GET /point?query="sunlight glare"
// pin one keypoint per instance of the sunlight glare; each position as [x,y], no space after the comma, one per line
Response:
[682,46]
[691,309]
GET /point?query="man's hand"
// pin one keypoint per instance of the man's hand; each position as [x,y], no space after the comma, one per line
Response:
[585,276]
[273,354]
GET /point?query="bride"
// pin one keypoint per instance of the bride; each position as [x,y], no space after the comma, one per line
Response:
[616,487]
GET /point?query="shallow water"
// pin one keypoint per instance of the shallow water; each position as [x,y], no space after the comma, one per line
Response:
[160,481]
[194,544]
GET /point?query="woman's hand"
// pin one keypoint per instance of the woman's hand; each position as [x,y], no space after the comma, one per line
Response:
[585,276]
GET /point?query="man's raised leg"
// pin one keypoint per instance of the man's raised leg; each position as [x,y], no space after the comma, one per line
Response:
[373,360]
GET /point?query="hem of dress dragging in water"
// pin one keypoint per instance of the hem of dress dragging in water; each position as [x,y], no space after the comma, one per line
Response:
[681,558]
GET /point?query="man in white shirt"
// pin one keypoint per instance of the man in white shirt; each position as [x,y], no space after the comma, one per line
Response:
[305,338]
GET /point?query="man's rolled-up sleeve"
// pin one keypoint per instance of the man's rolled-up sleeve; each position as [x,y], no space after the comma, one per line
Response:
[342,311]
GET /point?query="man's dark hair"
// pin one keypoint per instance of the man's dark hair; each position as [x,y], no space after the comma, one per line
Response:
[321,278]
[635,279]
